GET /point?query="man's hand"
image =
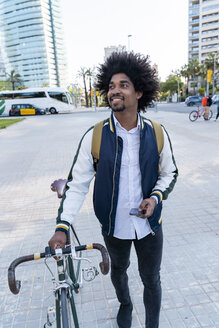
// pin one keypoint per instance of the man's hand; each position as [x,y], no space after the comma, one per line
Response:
[148,206]
[58,240]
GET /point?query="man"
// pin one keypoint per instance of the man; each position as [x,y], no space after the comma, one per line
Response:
[127,177]
[217,102]
[208,106]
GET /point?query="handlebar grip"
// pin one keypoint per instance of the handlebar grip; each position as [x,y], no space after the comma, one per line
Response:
[14,284]
[104,265]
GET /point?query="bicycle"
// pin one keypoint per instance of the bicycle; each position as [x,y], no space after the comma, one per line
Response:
[195,114]
[70,275]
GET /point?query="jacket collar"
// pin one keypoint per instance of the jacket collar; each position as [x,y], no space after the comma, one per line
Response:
[113,119]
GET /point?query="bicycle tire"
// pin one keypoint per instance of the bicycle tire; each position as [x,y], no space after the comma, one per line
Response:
[68,312]
[64,310]
[193,115]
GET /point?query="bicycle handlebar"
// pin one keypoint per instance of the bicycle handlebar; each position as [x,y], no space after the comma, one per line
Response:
[15,285]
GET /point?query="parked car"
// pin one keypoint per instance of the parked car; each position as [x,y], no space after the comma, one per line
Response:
[193,100]
[152,104]
[25,109]
[215,99]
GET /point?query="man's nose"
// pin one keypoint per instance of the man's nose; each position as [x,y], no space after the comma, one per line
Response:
[116,90]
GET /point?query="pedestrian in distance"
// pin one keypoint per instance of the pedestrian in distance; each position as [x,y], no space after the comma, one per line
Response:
[207,102]
[217,111]
[131,181]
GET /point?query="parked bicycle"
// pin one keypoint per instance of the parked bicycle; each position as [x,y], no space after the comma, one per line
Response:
[195,114]
[70,275]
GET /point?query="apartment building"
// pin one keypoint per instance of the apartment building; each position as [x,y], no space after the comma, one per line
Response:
[109,50]
[31,41]
[203,28]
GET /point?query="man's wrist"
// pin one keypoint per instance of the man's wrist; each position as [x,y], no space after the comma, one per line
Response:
[63,226]
[158,195]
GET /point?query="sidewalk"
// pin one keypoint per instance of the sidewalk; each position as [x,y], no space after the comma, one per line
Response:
[39,150]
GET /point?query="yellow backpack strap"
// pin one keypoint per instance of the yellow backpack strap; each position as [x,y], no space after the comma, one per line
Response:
[96,142]
[158,131]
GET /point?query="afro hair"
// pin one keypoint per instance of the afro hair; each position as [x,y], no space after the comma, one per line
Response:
[137,67]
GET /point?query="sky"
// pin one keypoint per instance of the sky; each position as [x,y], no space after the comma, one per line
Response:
[159,28]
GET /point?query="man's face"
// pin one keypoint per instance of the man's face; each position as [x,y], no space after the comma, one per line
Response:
[122,95]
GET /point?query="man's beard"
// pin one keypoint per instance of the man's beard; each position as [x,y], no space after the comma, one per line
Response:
[118,109]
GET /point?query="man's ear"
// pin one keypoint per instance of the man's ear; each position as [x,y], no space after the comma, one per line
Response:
[139,94]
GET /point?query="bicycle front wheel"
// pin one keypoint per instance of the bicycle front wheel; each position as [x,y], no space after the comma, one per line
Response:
[66,315]
[64,310]
[193,115]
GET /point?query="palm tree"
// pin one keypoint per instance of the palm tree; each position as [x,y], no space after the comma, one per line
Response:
[83,73]
[194,68]
[185,72]
[203,74]
[14,78]
[211,61]
[90,74]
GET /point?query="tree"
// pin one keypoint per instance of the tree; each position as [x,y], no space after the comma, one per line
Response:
[5,85]
[14,78]
[22,87]
[194,68]
[185,72]
[211,61]
[203,74]
[171,84]
[90,73]
[83,73]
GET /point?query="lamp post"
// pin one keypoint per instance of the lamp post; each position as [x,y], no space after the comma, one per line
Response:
[214,69]
[129,36]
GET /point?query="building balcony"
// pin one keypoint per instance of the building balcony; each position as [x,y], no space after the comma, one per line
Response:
[195,28]
[194,13]
[194,43]
[194,51]
[195,6]
[193,21]
[194,36]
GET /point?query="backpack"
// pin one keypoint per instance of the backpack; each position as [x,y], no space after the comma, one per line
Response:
[209,101]
[204,101]
[97,136]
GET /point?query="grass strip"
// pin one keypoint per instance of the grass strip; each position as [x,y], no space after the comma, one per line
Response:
[6,122]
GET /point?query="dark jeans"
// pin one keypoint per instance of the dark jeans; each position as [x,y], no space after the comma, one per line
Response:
[217,111]
[149,253]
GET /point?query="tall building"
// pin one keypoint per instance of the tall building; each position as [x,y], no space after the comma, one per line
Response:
[109,50]
[203,28]
[2,68]
[32,41]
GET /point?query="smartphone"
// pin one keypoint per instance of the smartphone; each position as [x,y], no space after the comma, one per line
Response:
[135,211]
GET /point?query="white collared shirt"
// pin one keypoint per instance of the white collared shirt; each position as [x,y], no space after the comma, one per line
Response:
[130,192]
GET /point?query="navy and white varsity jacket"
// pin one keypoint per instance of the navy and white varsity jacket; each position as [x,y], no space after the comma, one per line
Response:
[106,185]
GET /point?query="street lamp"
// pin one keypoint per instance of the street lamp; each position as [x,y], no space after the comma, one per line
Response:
[214,69]
[129,36]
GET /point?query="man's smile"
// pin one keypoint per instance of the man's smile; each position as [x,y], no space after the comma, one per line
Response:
[115,98]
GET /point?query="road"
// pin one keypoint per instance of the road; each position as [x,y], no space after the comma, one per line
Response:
[179,107]
[39,150]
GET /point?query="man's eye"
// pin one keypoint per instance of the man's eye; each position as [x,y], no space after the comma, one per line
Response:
[110,87]
[125,85]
